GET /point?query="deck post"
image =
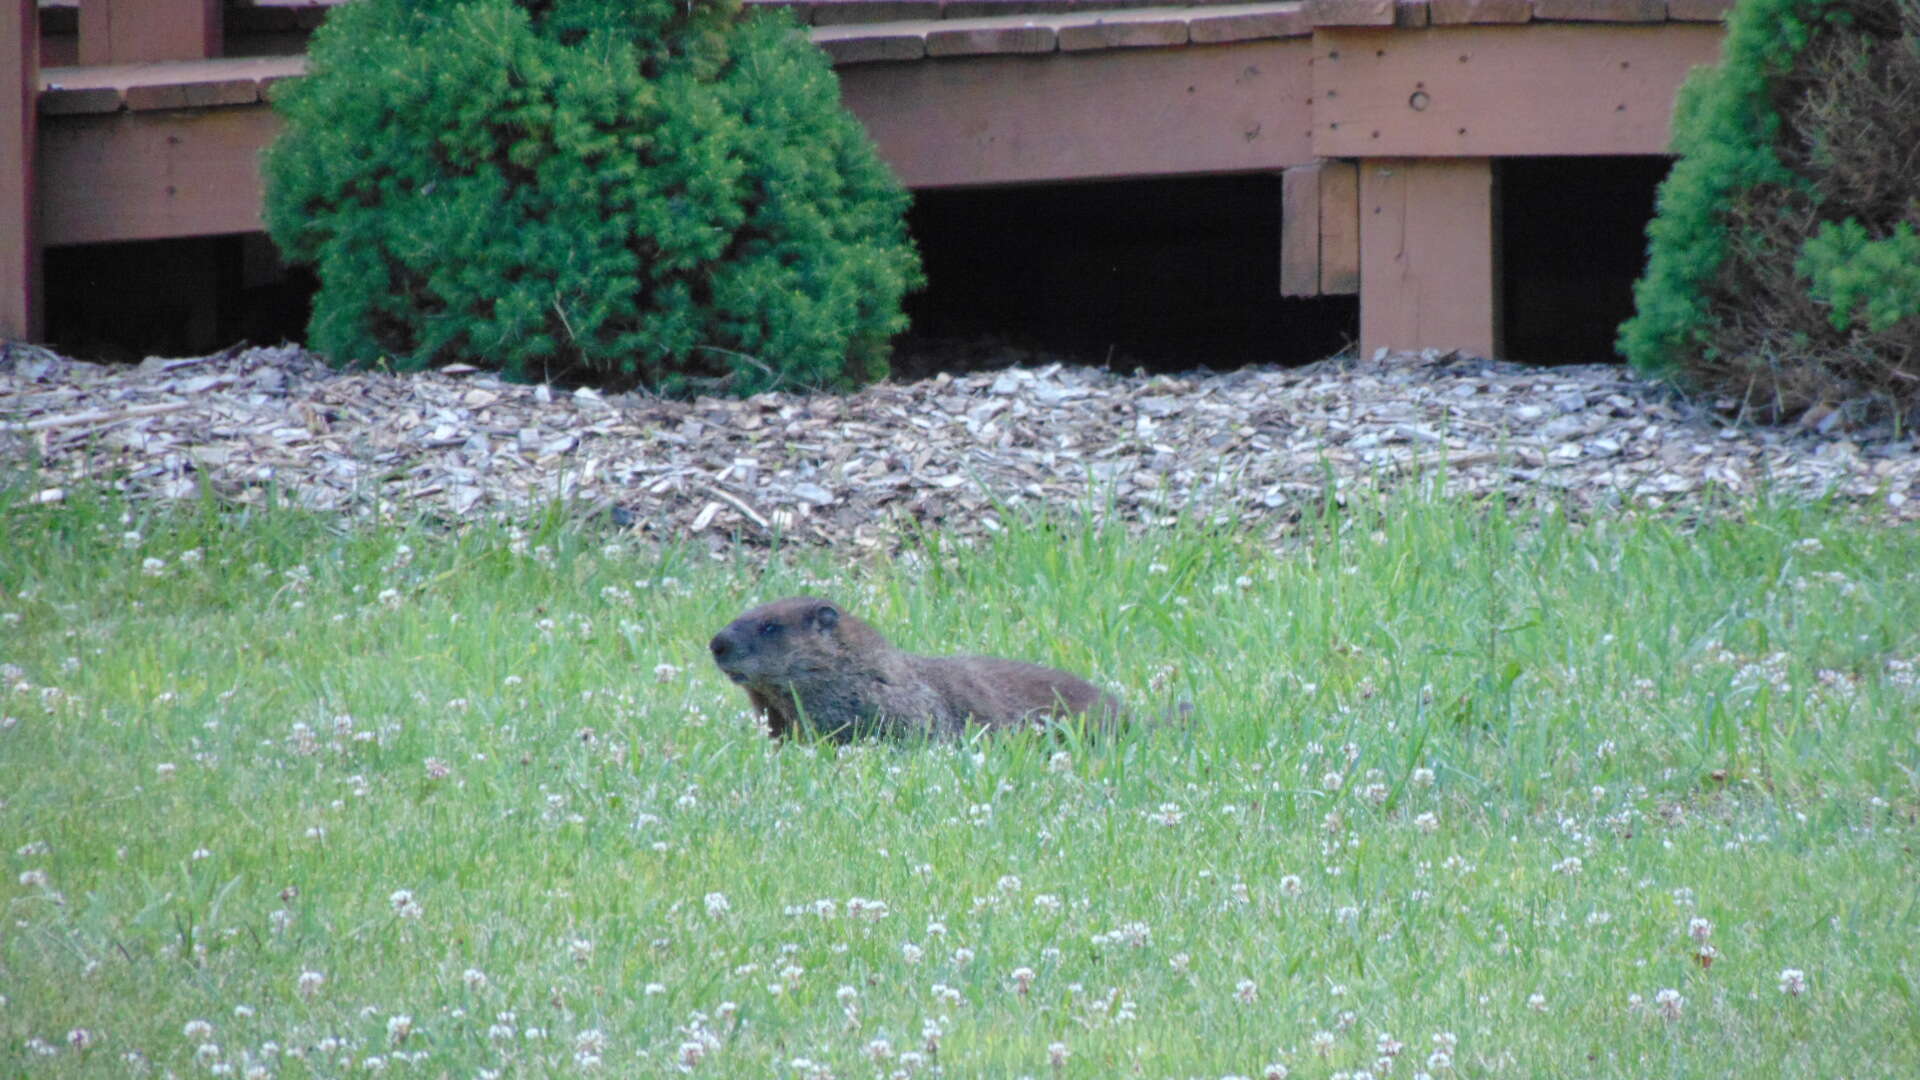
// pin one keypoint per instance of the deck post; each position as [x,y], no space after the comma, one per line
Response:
[134,31]
[20,311]
[1430,255]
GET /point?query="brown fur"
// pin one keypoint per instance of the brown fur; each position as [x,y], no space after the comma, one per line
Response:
[802,661]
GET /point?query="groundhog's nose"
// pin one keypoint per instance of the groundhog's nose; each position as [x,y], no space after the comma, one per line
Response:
[721,646]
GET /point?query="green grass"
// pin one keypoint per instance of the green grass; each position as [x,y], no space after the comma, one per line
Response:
[1503,754]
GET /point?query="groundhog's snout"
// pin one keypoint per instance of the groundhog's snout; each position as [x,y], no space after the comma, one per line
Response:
[727,653]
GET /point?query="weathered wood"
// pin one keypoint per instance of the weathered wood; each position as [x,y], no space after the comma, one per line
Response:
[982,37]
[1247,22]
[1320,230]
[1339,228]
[1698,10]
[1495,91]
[1090,115]
[1429,255]
[20,309]
[1462,12]
[126,31]
[1351,12]
[861,44]
[167,85]
[1629,11]
[1124,30]
[1300,230]
[95,416]
[152,175]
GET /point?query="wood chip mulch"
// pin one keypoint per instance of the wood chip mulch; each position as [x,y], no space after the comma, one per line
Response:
[1256,445]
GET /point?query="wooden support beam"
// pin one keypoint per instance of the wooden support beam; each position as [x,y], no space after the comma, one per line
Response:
[1500,91]
[127,31]
[1430,255]
[1320,230]
[153,175]
[1107,114]
[19,247]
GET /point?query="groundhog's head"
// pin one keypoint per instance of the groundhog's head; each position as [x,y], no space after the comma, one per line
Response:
[775,643]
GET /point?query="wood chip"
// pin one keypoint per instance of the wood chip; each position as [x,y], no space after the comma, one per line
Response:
[1254,445]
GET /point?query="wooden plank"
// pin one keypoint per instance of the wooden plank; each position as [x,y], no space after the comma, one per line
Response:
[1339,228]
[982,37]
[1300,230]
[1429,255]
[1351,12]
[1091,115]
[152,175]
[1628,11]
[1698,10]
[1146,27]
[124,31]
[1247,22]
[164,85]
[863,44]
[1462,12]
[1495,91]
[20,301]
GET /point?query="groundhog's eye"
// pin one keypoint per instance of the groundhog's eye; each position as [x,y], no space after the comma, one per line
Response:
[768,629]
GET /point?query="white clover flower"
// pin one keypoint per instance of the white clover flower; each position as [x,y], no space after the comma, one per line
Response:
[1793,981]
[581,949]
[910,952]
[200,1030]
[1247,991]
[399,1026]
[1291,885]
[1699,929]
[1427,822]
[717,904]
[1422,777]
[1669,1002]
[33,879]
[1057,1054]
[1023,978]
[474,978]
[1322,1042]
[1537,1001]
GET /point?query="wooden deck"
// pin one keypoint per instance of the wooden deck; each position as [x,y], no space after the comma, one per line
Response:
[1386,118]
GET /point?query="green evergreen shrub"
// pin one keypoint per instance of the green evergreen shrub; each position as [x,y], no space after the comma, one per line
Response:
[1783,268]
[664,192]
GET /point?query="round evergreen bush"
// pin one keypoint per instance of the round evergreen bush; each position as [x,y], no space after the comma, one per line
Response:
[662,192]
[1783,266]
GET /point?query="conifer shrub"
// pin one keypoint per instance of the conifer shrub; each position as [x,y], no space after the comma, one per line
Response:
[1783,265]
[660,192]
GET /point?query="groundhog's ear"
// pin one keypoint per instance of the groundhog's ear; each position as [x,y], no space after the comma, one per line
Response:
[824,616]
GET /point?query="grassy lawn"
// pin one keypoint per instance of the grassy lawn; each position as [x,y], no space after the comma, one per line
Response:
[1465,792]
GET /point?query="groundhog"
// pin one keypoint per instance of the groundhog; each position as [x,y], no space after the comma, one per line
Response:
[804,662]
